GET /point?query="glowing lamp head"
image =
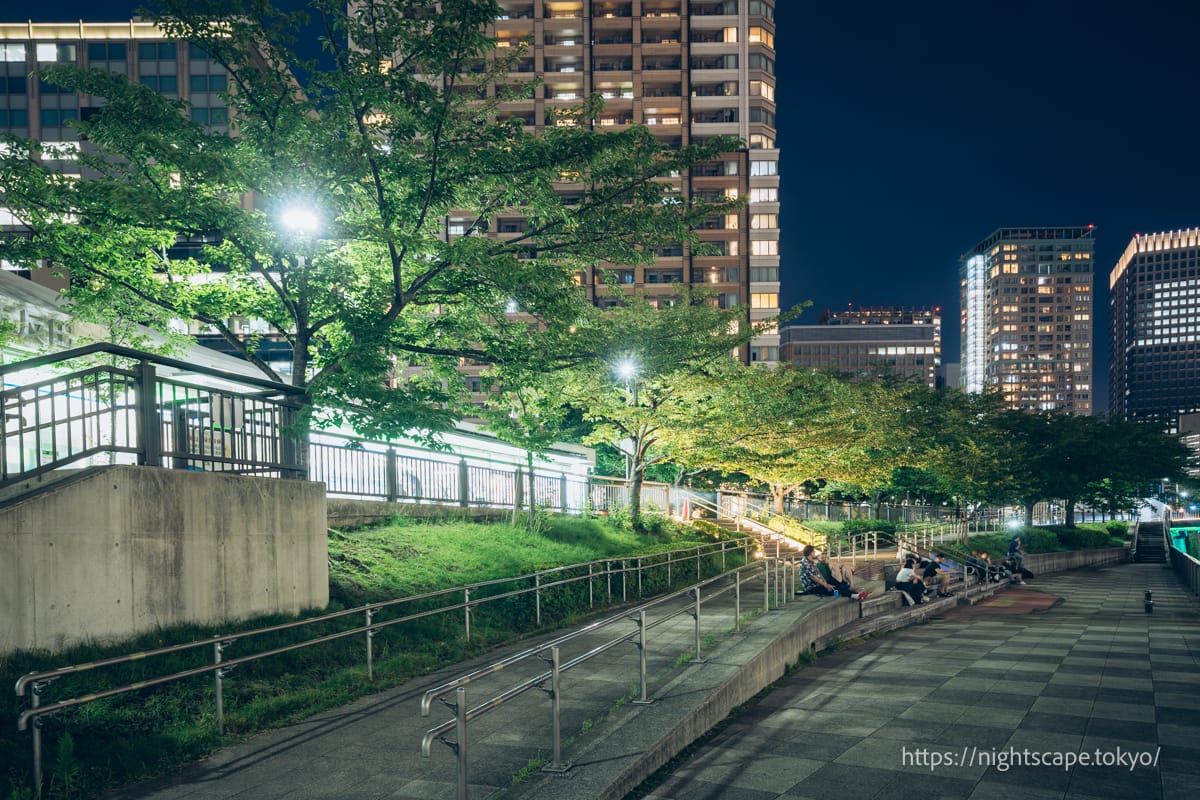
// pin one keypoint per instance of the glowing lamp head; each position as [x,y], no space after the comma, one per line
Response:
[626,370]
[300,220]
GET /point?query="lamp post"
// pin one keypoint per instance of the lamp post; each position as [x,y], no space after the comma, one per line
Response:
[627,371]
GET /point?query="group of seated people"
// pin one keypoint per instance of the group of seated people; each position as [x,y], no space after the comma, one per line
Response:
[981,565]
[919,576]
[819,578]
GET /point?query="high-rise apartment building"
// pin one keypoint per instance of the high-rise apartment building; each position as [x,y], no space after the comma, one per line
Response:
[689,70]
[868,342]
[1155,297]
[1026,324]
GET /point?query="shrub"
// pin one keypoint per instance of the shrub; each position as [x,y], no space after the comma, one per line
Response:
[852,526]
[1079,538]
[1117,527]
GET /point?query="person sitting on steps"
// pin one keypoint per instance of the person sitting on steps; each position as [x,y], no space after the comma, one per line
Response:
[911,586]
[839,577]
[811,581]
[939,570]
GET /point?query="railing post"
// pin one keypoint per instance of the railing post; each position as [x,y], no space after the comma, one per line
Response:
[370,646]
[149,426]
[393,476]
[591,588]
[697,563]
[537,597]
[668,571]
[219,679]
[467,613]
[518,491]
[624,580]
[556,712]
[35,700]
[562,492]
[293,446]
[699,657]
[639,569]
[642,699]
[766,586]
[460,735]
[737,600]
[464,483]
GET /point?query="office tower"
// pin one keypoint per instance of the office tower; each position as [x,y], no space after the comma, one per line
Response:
[869,342]
[1155,300]
[689,70]
[1026,324]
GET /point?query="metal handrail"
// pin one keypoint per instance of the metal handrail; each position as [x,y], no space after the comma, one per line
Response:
[464,714]
[40,679]
[141,355]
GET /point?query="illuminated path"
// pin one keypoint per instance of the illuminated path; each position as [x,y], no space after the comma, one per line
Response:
[1092,674]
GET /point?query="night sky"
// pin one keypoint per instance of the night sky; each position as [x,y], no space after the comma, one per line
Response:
[910,131]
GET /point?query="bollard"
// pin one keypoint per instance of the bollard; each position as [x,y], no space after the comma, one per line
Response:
[1149,602]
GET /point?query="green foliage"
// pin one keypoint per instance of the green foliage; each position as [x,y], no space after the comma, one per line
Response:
[1046,539]
[383,140]
[852,526]
[1116,527]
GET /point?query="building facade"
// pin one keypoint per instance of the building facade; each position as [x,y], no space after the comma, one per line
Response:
[689,70]
[869,342]
[1155,298]
[35,109]
[1026,317]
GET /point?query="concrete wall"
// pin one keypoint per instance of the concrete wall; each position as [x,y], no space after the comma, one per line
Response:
[1187,568]
[130,549]
[1047,563]
[348,513]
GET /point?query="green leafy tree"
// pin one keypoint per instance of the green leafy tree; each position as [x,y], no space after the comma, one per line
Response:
[650,362]
[1135,454]
[526,409]
[782,428]
[380,143]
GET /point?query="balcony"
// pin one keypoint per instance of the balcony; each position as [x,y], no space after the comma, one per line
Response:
[649,64]
[614,64]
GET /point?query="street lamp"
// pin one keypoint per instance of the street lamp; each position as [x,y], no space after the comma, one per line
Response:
[627,370]
[300,220]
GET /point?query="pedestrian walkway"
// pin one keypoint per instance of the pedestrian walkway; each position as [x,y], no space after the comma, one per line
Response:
[1090,672]
[960,707]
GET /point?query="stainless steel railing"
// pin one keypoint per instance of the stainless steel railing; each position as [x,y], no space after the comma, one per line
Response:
[775,574]
[600,574]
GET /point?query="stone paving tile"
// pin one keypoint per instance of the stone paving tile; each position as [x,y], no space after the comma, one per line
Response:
[1122,711]
[852,782]
[1115,782]
[991,790]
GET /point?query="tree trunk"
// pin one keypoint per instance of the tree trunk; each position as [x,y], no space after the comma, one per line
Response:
[779,493]
[1029,504]
[635,496]
[1070,514]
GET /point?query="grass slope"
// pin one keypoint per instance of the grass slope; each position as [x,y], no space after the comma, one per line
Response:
[152,731]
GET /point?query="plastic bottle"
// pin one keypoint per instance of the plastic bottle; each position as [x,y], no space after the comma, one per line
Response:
[835,592]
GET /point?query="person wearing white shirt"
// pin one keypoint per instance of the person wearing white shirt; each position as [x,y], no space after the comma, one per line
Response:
[909,582]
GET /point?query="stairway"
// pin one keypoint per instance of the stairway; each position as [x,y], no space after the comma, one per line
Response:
[1150,546]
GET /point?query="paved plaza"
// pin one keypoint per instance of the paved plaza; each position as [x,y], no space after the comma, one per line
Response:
[954,708]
